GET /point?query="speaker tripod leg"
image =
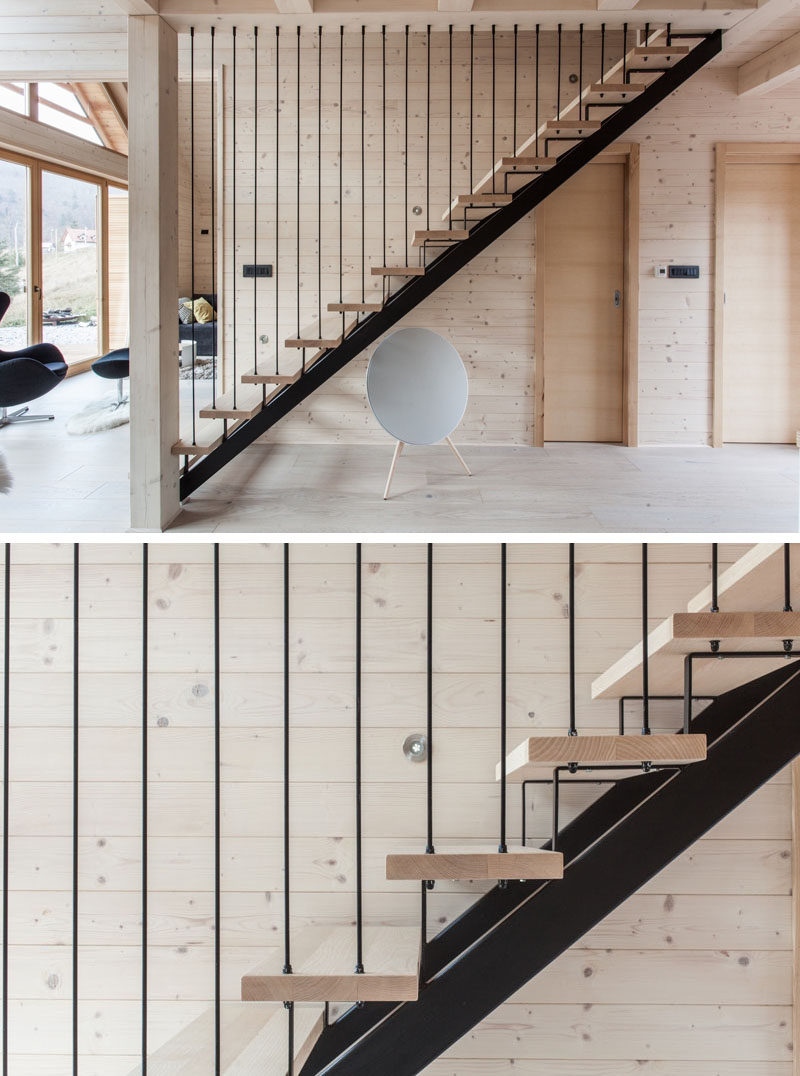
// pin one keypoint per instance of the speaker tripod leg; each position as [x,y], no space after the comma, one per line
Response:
[458,455]
[397,452]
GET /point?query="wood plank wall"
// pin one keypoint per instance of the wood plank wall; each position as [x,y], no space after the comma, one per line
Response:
[487,310]
[692,975]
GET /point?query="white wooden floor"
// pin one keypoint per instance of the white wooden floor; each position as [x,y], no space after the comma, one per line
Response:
[80,484]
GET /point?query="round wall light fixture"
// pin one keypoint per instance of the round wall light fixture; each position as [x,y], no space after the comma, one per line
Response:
[415,747]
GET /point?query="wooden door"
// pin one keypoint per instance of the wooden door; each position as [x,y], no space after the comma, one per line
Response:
[582,230]
[761,340]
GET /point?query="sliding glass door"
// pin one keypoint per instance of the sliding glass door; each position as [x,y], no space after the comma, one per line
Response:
[14,261]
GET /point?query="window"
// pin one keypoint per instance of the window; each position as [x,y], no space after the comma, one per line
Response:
[14,97]
[58,106]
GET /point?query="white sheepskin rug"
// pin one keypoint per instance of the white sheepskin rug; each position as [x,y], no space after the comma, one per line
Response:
[99,415]
[6,482]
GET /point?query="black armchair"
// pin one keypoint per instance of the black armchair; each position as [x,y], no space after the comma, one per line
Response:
[26,375]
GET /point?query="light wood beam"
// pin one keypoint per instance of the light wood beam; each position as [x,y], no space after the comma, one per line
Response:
[773,68]
[455,5]
[27,136]
[153,271]
[138,7]
[616,5]
[294,7]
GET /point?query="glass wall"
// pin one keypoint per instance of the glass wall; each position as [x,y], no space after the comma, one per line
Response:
[14,180]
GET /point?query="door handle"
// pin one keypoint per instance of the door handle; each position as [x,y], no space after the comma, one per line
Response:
[617,298]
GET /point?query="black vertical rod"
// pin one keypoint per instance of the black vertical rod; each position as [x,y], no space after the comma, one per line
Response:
[75,791]
[669,33]
[536,106]
[6,776]
[714,577]
[645,649]
[363,191]
[255,201]
[572,729]
[359,880]
[558,77]
[405,199]
[625,52]
[384,180]
[602,52]
[580,68]
[287,941]
[428,134]
[191,156]
[429,701]
[787,578]
[319,179]
[471,96]
[450,132]
[217,829]
[145,805]
[494,170]
[502,847]
[277,190]
[213,221]
[514,134]
[297,250]
[341,158]
[233,213]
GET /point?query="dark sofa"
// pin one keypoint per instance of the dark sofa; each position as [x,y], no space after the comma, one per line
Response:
[203,334]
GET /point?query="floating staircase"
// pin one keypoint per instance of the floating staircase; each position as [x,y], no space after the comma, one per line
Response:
[474,864]
[540,165]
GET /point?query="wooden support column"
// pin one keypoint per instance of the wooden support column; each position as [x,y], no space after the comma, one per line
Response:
[153,194]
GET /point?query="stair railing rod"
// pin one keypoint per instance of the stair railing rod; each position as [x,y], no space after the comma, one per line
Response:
[428,131]
[669,34]
[363,185]
[471,97]
[536,109]
[255,206]
[450,132]
[359,878]
[503,847]
[297,236]
[341,165]
[714,643]
[383,130]
[277,192]
[645,649]
[429,848]
[217,826]
[319,177]
[214,333]
[624,52]
[145,798]
[514,127]
[76,575]
[580,68]
[287,939]
[494,80]
[602,52]
[558,77]
[233,212]
[788,644]
[191,213]
[572,726]
[405,155]
[6,791]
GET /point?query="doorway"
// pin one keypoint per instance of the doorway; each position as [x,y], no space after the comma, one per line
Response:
[757,378]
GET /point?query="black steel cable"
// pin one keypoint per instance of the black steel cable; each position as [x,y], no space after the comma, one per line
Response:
[255,204]
[580,69]
[494,170]
[625,52]
[217,828]
[572,728]
[536,118]
[471,97]
[363,190]
[233,216]
[191,156]
[385,181]
[558,77]
[359,879]
[319,180]
[145,803]
[602,52]
[297,249]
[405,198]
[341,161]
[213,223]
[515,93]
[6,778]
[645,649]
[428,135]
[277,190]
[287,952]
[714,577]
[502,847]
[787,578]
[450,133]
[75,792]
[429,692]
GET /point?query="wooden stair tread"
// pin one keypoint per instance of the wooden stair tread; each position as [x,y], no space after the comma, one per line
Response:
[477,201]
[577,126]
[474,863]
[262,377]
[349,306]
[311,338]
[253,1039]
[617,88]
[249,401]
[539,753]
[323,962]
[691,632]
[526,164]
[208,435]
[398,270]
[439,235]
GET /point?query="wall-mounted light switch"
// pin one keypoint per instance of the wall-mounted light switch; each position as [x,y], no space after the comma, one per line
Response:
[660,271]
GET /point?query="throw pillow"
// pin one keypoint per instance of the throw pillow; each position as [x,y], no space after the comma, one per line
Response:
[185,314]
[204,311]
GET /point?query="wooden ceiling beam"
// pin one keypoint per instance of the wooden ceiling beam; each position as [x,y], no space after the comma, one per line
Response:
[138,7]
[773,68]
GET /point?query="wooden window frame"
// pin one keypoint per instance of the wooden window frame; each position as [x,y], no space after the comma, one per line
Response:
[36,166]
[725,154]
[627,154]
